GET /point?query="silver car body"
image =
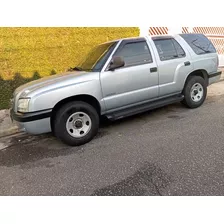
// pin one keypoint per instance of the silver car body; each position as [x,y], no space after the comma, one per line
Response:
[115,90]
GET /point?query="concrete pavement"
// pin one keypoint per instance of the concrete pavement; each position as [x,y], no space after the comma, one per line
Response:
[168,151]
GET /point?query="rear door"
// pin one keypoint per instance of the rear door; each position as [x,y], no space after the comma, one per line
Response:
[134,83]
[174,64]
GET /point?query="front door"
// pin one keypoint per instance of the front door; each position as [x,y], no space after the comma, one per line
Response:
[134,83]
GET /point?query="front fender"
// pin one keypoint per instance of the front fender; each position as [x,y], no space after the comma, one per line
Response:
[49,98]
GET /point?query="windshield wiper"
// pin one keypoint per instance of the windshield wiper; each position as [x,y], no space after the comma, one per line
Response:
[75,69]
[206,51]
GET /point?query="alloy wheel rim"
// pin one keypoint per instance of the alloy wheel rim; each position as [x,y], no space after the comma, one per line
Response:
[78,124]
[197,92]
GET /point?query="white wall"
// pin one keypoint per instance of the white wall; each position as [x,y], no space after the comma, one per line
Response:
[144,30]
[221,60]
[174,30]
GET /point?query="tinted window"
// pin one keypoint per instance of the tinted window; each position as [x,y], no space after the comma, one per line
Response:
[135,53]
[199,43]
[169,49]
[179,49]
[97,57]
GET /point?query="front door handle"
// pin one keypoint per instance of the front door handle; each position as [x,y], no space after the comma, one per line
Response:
[153,69]
[187,63]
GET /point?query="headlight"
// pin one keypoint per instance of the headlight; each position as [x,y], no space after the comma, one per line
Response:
[23,105]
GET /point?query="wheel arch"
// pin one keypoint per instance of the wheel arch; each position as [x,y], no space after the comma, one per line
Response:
[83,97]
[199,72]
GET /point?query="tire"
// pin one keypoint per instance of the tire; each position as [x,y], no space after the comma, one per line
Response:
[76,123]
[195,92]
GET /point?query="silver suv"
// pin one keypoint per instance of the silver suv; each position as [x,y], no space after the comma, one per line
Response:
[118,79]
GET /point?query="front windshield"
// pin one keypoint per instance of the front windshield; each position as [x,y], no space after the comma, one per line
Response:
[97,57]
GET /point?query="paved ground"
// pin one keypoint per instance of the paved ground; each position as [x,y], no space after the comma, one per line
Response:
[169,151]
[6,125]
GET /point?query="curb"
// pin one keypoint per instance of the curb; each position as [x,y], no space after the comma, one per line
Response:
[9,131]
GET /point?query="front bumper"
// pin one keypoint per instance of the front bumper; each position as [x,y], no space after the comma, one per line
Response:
[33,122]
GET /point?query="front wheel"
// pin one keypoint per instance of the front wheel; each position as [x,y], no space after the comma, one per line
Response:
[195,92]
[76,123]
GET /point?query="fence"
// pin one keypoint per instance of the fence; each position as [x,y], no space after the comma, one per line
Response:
[215,34]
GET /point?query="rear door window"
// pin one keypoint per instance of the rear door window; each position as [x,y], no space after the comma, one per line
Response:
[169,49]
[199,43]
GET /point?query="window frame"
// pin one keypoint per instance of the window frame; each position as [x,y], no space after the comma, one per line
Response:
[130,41]
[172,40]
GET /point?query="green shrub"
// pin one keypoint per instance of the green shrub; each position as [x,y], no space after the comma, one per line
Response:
[29,53]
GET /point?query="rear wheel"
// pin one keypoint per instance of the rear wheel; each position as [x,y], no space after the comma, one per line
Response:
[195,92]
[76,123]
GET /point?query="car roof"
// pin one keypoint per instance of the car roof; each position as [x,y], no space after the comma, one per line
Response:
[126,38]
[141,37]
[147,36]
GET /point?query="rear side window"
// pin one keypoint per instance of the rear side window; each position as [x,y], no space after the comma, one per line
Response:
[199,43]
[135,53]
[169,49]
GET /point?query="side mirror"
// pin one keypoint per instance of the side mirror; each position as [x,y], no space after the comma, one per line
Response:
[117,62]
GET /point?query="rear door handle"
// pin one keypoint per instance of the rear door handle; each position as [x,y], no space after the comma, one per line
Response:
[153,69]
[187,63]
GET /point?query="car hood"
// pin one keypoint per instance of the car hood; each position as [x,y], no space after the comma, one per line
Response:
[54,81]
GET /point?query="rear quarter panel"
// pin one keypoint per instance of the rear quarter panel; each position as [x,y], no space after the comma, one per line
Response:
[208,62]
